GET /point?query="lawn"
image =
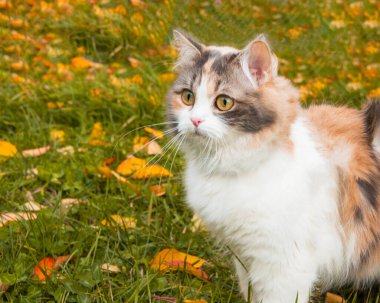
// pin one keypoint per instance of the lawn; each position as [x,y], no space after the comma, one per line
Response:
[81,80]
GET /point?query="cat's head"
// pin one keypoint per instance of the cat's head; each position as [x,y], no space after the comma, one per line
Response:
[228,96]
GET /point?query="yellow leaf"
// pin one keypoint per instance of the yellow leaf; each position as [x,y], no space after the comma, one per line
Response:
[105,171]
[152,171]
[81,62]
[139,143]
[134,62]
[172,259]
[138,3]
[156,133]
[57,135]
[122,222]
[130,165]
[374,93]
[7,149]
[195,301]
[97,131]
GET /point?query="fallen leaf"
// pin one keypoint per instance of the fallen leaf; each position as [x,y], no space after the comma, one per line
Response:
[33,206]
[172,260]
[81,62]
[36,151]
[105,171]
[57,135]
[98,142]
[123,180]
[106,267]
[6,218]
[66,150]
[122,222]
[7,149]
[138,3]
[139,143]
[152,171]
[333,298]
[153,148]
[134,62]
[156,133]
[97,131]
[44,269]
[197,224]
[109,161]
[31,173]
[158,190]
[130,165]
[195,301]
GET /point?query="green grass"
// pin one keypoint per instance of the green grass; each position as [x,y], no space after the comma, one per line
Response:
[329,64]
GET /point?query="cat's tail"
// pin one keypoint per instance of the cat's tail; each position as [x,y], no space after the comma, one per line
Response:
[371,115]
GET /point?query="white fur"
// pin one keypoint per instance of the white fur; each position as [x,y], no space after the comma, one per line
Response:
[275,209]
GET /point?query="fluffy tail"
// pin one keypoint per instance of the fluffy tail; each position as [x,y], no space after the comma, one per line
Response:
[371,113]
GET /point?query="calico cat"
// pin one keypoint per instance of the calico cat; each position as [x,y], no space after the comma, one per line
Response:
[293,192]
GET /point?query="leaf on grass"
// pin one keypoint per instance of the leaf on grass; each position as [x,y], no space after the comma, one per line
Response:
[130,165]
[139,143]
[153,148]
[195,301]
[123,180]
[106,267]
[197,224]
[152,171]
[81,62]
[57,135]
[33,206]
[97,133]
[7,149]
[36,152]
[109,161]
[155,132]
[69,202]
[172,260]
[6,218]
[105,172]
[333,298]
[66,150]
[47,265]
[158,190]
[123,222]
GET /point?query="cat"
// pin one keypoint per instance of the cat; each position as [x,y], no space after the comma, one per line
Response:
[293,192]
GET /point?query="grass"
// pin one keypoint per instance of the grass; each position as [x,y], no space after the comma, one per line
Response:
[329,50]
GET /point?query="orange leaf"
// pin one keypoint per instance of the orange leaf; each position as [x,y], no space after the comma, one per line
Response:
[172,259]
[105,171]
[134,62]
[81,62]
[44,268]
[195,301]
[139,143]
[130,165]
[36,151]
[333,298]
[123,180]
[7,149]
[157,190]
[152,171]
[97,131]
[122,222]
[156,133]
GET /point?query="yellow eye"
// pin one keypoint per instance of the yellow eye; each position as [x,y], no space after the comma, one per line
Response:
[188,97]
[224,103]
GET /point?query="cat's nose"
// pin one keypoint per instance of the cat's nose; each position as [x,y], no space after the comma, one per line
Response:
[196,121]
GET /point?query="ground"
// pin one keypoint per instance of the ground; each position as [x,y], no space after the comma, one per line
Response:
[81,79]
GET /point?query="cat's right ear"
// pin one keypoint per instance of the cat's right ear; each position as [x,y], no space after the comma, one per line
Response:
[188,49]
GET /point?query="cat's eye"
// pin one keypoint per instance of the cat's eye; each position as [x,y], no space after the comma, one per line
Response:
[188,97]
[224,103]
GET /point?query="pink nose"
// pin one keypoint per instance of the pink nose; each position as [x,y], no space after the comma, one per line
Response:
[196,121]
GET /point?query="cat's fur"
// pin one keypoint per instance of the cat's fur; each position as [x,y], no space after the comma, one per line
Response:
[293,192]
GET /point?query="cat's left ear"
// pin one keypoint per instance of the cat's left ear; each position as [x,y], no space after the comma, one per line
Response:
[259,62]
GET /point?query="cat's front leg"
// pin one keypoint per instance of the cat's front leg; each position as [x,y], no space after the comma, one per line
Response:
[282,283]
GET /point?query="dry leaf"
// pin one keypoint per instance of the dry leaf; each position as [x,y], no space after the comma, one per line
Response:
[36,151]
[172,259]
[66,151]
[130,165]
[152,171]
[31,173]
[33,206]
[6,218]
[122,222]
[134,62]
[57,135]
[156,133]
[7,149]
[106,267]
[197,224]
[105,172]
[123,180]
[158,190]
[195,301]
[333,298]
[109,161]
[81,62]
[153,148]
[69,202]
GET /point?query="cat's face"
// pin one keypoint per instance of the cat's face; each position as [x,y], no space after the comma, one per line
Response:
[221,93]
